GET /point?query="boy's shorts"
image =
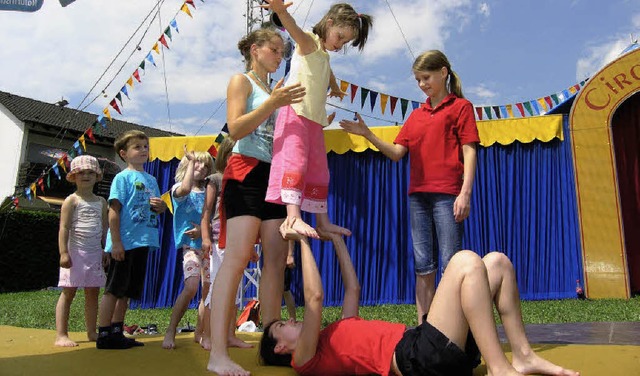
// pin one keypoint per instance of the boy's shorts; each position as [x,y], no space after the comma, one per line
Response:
[125,279]
[193,264]
[424,350]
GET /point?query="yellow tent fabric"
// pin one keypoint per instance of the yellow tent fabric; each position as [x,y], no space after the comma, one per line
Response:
[504,131]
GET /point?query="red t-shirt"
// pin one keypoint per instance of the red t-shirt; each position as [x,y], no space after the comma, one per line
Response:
[434,137]
[354,346]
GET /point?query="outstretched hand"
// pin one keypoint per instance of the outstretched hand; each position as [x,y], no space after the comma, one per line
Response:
[284,96]
[336,92]
[275,5]
[190,155]
[355,127]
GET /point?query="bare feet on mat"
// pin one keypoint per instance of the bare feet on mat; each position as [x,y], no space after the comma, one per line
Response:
[224,366]
[64,341]
[535,365]
[169,341]
[197,337]
[205,342]
[294,228]
[237,342]
[92,337]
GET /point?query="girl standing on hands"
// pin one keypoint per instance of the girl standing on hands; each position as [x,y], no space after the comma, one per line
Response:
[251,106]
[441,137]
[299,172]
[83,229]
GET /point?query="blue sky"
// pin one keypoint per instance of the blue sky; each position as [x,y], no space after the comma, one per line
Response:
[504,51]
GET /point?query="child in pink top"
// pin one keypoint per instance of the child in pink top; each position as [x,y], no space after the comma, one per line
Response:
[299,174]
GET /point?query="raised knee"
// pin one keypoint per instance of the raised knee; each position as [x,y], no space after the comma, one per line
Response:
[466,261]
[497,261]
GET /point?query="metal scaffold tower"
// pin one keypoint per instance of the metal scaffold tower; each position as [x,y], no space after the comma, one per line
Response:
[255,15]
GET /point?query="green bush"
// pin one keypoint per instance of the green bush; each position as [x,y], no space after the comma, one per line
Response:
[28,250]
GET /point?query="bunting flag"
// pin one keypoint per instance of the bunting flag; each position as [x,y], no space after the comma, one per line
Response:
[213,151]
[403,106]
[150,58]
[503,112]
[89,134]
[394,101]
[77,148]
[27,192]
[16,201]
[136,75]
[520,108]
[219,138]
[225,129]
[143,64]
[542,104]
[166,197]
[107,113]
[41,184]
[534,105]
[549,103]
[167,32]
[102,120]
[56,171]
[487,110]
[156,48]
[363,96]
[130,82]
[163,41]
[479,113]
[510,110]
[354,88]
[125,92]
[344,85]
[190,2]
[119,97]
[185,9]
[372,99]
[555,99]
[33,190]
[383,102]
[114,104]
[82,142]
[48,180]
[497,111]
[174,25]
[72,153]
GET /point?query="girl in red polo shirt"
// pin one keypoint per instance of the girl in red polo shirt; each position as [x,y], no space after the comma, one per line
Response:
[441,137]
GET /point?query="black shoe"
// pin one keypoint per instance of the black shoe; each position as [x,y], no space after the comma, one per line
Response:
[113,342]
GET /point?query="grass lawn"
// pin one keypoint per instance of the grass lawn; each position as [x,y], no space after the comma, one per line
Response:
[36,309]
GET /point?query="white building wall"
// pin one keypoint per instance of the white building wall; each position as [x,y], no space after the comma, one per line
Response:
[12,151]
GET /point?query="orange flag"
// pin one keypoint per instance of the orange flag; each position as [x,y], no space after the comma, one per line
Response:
[185,9]
[383,101]
[156,48]
[107,113]
[84,146]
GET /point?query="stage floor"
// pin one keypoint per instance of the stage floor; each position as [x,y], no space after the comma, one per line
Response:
[31,352]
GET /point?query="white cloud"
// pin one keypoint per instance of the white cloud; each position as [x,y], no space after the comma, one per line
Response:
[480,93]
[635,21]
[598,56]
[484,9]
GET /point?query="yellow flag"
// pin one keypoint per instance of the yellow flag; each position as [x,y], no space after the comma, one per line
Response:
[61,164]
[166,197]
[344,85]
[84,146]
[510,110]
[107,113]
[185,9]
[130,81]
[33,189]
[156,48]
[543,104]
[383,101]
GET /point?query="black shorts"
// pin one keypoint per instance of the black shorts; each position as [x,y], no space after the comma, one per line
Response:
[247,197]
[425,351]
[287,279]
[125,279]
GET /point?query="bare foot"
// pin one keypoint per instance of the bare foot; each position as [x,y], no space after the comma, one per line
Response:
[535,365]
[295,228]
[169,340]
[205,342]
[335,229]
[197,337]
[92,337]
[224,366]
[237,342]
[64,341]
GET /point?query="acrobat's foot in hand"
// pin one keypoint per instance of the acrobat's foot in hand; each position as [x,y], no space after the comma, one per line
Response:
[294,228]
[334,229]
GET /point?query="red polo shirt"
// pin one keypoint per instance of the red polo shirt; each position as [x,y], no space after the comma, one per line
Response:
[434,137]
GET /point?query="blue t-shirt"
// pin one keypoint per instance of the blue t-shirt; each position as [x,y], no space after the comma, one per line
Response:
[259,143]
[186,211]
[138,223]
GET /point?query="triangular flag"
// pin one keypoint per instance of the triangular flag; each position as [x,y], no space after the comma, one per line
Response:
[496,109]
[548,100]
[415,104]
[16,201]
[372,99]
[142,66]
[213,151]
[190,2]
[166,197]
[102,121]
[156,48]
[403,106]
[520,108]
[555,98]
[566,94]
[363,96]
[114,104]
[119,97]
[487,110]
[48,180]
[56,171]
[33,190]
[510,110]
[478,112]
[107,113]
[542,103]
[150,58]
[125,92]
[174,24]
[219,138]
[503,112]
[225,129]
[344,85]
[72,153]
[81,140]
[27,191]
[185,9]
[384,98]
[65,162]
[41,184]
[136,75]
[354,88]
[394,101]
[167,32]
[573,90]
[577,87]
[130,82]
[535,107]
[527,105]
[89,134]
[163,41]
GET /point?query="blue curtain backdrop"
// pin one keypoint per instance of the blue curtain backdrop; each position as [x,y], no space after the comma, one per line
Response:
[523,204]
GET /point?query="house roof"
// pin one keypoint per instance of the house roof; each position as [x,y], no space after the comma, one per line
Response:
[35,111]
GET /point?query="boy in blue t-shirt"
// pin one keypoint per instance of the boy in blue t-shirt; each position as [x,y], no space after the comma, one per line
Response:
[134,205]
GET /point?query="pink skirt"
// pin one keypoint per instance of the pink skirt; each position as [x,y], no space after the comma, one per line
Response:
[86,270]
[299,170]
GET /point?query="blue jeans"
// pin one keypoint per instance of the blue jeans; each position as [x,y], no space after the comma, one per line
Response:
[431,211]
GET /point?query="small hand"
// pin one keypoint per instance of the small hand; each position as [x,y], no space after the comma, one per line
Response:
[276,6]
[190,155]
[337,92]
[356,127]
[194,233]
[284,96]
[117,251]
[65,261]
[157,205]
[461,208]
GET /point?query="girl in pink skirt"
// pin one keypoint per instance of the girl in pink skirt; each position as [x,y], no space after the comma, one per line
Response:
[83,228]
[299,174]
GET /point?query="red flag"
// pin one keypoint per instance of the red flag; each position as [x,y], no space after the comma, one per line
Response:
[212,151]
[163,41]
[479,112]
[41,184]
[190,2]
[136,75]
[114,104]
[354,88]
[520,108]
[394,100]
[548,100]
[89,134]
[16,201]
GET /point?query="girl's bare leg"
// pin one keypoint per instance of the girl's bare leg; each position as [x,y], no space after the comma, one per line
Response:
[274,254]
[241,234]
[179,308]
[204,315]
[504,290]
[462,302]
[91,312]
[62,317]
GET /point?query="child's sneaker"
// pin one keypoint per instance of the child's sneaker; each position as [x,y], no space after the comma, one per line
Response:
[113,342]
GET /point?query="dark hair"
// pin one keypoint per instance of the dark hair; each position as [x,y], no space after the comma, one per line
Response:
[258,37]
[122,142]
[268,349]
[435,60]
[343,14]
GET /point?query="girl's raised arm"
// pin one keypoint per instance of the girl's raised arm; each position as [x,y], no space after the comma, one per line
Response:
[305,43]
